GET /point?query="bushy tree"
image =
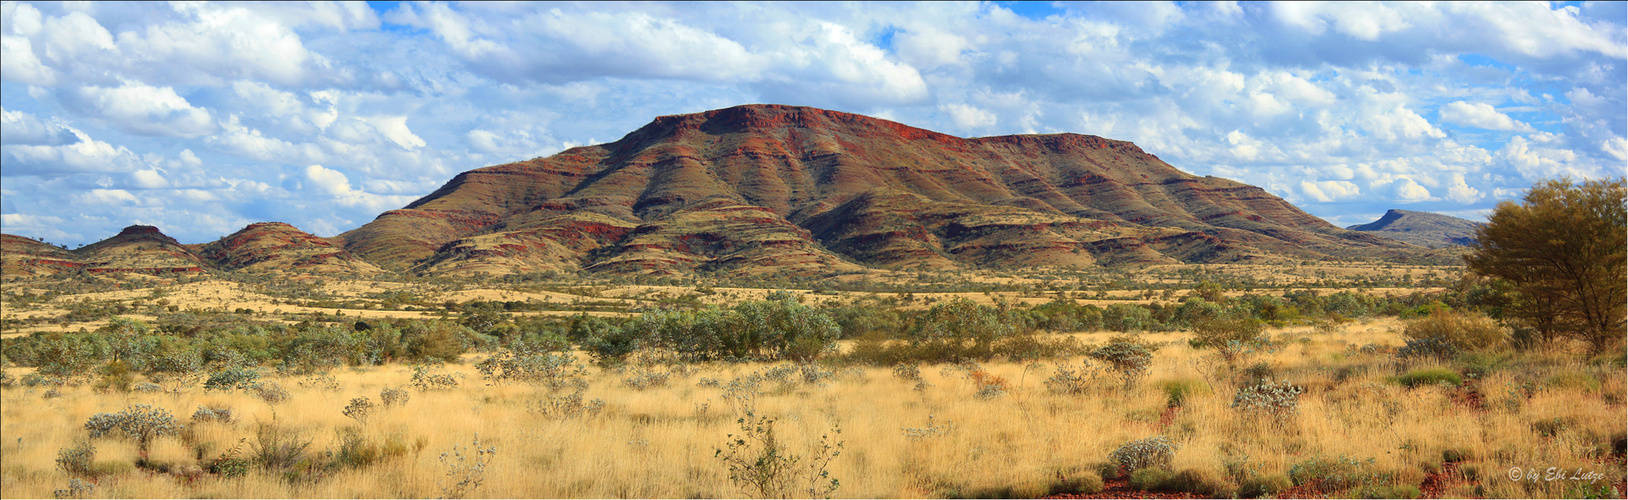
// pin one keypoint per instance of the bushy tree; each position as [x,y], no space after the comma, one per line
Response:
[1565,249]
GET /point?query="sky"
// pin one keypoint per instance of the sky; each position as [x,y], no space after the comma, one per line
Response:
[202,118]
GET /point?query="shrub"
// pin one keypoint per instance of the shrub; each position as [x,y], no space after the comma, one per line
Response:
[1193,481]
[76,461]
[1151,478]
[1126,355]
[271,392]
[1279,400]
[1264,485]
[1429,348]
[1154,452]
[759,462]
[391,396]
[645,379]
[356,452]
[1232,338]
[553,370]
[1430,376]
[426,380]
[76,489]
[1177,392]
[1197,482]
[140,422]
[465,469]
[990,386]
[1465,332]
[1071,382]
[207,414]
[567,406]
[234,378]
[360,409]
[907,371]
[278,449]
[1336,475]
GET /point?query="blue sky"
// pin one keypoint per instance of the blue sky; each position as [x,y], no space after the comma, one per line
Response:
[203,118]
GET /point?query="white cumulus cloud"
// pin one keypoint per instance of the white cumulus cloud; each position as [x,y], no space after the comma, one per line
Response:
[143,109]
[1480,115]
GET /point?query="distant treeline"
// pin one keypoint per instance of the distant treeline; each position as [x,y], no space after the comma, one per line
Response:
[779,328]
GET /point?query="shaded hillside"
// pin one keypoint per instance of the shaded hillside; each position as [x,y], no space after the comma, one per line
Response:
[279,247]
[1422,228]
[142,249]
[25,258]
[876,192]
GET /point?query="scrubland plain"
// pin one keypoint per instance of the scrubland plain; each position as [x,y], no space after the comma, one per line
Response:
[1362,420]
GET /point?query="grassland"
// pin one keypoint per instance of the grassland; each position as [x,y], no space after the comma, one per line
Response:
[992,428]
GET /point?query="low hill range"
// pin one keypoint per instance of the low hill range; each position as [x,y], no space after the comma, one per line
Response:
[1423,228]
[260,247]
[769,189]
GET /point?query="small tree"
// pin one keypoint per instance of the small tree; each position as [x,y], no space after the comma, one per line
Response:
[140,422]
[1565,248]
[1126,355]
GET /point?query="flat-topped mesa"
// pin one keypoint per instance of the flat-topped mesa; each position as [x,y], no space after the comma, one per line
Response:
[140,229]
[762,117]
[874,191]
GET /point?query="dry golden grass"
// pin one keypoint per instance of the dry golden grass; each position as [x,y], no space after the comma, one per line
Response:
[661,442]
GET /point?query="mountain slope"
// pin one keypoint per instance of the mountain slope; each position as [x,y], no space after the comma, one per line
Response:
[873,191]
[279,247]
[1422,228]
[141,249]
[26,258]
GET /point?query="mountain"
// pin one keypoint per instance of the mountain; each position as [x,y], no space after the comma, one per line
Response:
[261,247]
[783,189]
[138,249]
[276,246]
[1422,228]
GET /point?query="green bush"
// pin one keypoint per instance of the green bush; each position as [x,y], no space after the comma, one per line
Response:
[1264,485]
[1126,355]
[1178,392]
[1430,376]
[1336,475]
[1151,478]
[1198,482]
[1076,483]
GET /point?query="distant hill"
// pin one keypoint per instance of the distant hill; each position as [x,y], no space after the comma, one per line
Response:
[276,246]
[770,189]
[1422,228]
[261,247]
